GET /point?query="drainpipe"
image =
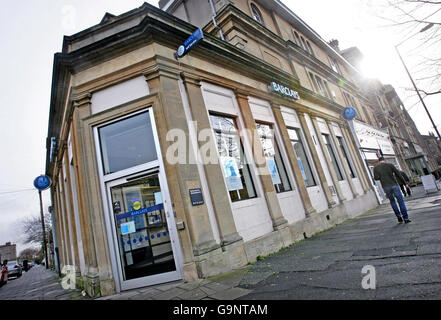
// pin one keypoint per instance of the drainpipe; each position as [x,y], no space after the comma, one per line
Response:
[214,20]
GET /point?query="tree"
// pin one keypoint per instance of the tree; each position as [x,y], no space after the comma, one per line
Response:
[30,254]
[33,232]
[421,21]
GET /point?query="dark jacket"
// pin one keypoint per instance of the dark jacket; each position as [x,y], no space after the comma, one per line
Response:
[405,177]
[388,175]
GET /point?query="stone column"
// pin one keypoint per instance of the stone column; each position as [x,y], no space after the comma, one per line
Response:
[82,110]
[328,161]
[303,192]
[58,228]
[72,221]
[265,177]
[67,241]
[198,238]
[358,161]
[316,160]
[219,194]
[346,169]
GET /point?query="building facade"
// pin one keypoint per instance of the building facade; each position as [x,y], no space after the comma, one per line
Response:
[8,252]
[167,169]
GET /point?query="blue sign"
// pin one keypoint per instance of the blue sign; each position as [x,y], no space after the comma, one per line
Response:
[349,113]
[42,182]
[193,40]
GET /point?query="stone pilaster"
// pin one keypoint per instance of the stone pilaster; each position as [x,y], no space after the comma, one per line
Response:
[303,192]
[181,177]
[81,110]
[72,222]
[265,178]
[346,169]
[219,195]
[316,160]
[331,168]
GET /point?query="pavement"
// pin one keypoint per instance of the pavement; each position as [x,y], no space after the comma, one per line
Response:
[403,260]
[406,261]
[38,283]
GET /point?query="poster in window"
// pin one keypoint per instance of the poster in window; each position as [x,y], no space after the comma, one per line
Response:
[302,170]
[232,174]
[271,163]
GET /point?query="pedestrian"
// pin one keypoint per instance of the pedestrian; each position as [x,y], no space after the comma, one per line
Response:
[405,187]
[390,178]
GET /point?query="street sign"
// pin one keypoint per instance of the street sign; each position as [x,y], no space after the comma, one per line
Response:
[193,40]
[42,182]
[349,113]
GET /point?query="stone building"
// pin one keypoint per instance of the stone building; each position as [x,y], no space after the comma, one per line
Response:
[433,147]
[8,251]
[131,126]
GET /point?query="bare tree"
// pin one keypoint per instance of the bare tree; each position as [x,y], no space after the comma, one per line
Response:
[421,21]
[33,232]
[31,254]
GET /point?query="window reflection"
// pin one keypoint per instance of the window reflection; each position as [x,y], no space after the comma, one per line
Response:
[273,158]
[232,158]
[127,143]
[302,159]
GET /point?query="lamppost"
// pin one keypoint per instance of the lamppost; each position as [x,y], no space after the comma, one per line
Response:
[42,183]
[430,25]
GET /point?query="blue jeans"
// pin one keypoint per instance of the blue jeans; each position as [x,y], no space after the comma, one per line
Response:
[395,192]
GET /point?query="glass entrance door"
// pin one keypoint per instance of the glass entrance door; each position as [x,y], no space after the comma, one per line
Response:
[143,236]
[139,217]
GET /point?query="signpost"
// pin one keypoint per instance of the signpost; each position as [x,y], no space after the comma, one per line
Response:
[189,44]
[42,183]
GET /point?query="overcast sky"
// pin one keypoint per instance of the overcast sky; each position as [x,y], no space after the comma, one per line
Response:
[32,31]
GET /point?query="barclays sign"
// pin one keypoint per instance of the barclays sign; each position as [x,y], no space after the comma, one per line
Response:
[287,92]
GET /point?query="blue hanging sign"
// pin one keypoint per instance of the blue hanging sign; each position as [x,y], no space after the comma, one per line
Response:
[349,113]
[193,40]
[42,182]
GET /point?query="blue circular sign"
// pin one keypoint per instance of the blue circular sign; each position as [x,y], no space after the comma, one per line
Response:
[42,182]
[349,113]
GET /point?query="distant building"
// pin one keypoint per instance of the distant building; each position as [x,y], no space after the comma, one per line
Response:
[8,251]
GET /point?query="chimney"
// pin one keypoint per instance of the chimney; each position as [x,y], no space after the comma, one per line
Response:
[334,44]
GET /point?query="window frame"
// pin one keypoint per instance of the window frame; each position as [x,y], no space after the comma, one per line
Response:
[334,158]
[343,148]
[300,140]
[255,12]
[277,153]
[242,154]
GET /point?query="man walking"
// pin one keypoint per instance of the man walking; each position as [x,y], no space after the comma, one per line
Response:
[391,179]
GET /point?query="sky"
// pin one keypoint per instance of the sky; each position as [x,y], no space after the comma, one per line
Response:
[32,32]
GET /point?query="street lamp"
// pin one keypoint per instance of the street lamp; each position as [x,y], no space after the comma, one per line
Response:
[427,27]
[42,183]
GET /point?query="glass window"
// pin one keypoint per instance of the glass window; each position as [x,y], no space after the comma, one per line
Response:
[299,43]
[127,143]
[302,159]
[321,86]
[334,65]
[346,156]
[309,47]
[273,158]
[256,13]
[303,43]
[232,158]
[334,162]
